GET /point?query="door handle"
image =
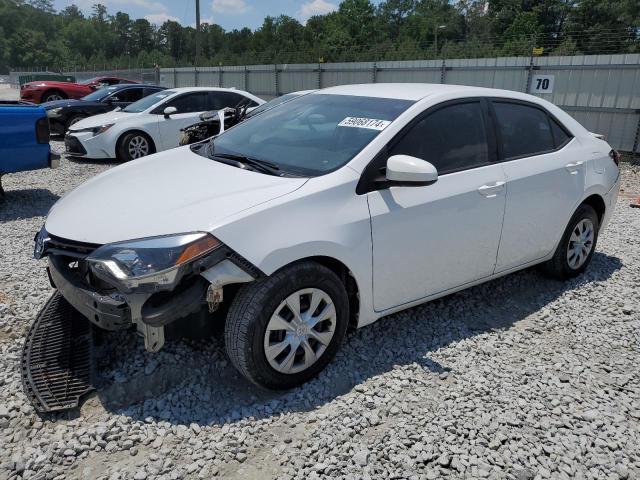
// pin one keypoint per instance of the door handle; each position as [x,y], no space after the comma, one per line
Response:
[491,191]
[573,168]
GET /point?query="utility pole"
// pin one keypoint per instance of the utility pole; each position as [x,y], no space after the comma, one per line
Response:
[197,32]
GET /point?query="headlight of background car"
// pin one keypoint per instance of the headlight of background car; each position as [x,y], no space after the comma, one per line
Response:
[54,112]
[158,262]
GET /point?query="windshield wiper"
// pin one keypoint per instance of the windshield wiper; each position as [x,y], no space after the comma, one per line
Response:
[262,165]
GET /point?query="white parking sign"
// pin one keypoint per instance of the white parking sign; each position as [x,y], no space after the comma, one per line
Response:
[542,84]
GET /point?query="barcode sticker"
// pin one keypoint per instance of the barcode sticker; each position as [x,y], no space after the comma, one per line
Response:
[370,123]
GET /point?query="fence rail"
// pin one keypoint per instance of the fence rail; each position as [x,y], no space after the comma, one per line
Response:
[600,91]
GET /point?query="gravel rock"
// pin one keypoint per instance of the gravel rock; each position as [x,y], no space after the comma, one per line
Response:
[520,378]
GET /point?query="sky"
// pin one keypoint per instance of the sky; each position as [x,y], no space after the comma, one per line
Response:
[229,14]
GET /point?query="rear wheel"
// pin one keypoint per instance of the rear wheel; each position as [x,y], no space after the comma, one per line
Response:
[577,246]
[284,329]
[52,96]
[134,145]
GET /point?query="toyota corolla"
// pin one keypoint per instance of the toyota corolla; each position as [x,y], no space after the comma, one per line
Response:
[329,212]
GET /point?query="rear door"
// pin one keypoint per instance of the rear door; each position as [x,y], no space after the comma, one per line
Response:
[427,240]
[545,172]
[189,107]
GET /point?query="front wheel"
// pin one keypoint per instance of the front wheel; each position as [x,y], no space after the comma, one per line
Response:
[577,245]
[52,96]
[134,145]
[284,329]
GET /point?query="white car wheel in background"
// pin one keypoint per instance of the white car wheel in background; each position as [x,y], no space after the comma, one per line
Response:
[282,330]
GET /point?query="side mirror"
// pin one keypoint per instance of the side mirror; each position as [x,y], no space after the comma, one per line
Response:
[169,111]
[407,171]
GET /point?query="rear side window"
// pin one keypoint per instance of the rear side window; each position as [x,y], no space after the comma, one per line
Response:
[524,131]
[452,138]
[219,100]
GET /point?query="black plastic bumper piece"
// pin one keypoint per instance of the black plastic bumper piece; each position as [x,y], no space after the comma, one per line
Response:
[73,145]
[104,311]
[57,358]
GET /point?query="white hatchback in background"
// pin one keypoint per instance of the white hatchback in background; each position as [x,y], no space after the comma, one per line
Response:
[150,125]
[332,210]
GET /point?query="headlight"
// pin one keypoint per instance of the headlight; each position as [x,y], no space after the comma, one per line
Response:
[54,112]
[156,261]
[95,130]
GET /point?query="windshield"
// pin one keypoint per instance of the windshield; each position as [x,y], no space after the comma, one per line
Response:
[147,102]
[99,95]
[313,134]
[272,103]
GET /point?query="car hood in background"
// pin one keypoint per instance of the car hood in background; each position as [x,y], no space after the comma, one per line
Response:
[49,83]
[171,192]
[62,103]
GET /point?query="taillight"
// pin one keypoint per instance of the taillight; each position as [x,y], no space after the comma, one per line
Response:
[615,156]
[42,130]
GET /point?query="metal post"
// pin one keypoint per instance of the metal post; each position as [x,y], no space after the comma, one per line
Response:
[275,80]
[636,141]
[531,66]
[245,78]
[220,76]
[197,32]
[195,76]
[319,77]
[443,71]
[175,77]
[374,73]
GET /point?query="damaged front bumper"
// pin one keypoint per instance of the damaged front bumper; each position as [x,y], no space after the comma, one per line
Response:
[149,309]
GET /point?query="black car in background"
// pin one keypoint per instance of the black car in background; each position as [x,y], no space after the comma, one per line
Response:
[64,113]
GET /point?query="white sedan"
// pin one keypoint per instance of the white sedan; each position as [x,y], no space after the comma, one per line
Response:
[330,211]
[150,125]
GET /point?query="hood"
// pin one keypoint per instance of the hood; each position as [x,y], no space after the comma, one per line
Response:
[50,83]
[175,191]
[102,119]
[60,103]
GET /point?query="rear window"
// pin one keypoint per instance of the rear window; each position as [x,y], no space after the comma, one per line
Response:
[524,130]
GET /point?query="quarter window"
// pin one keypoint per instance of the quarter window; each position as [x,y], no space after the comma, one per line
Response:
[524,131]
[560,137]
[452,138]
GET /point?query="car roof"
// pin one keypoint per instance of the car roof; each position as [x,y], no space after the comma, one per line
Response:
[414,91]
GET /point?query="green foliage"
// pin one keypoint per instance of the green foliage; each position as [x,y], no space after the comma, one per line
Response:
[32,34]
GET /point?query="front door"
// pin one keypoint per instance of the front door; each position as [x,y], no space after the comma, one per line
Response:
[189,107]
[427,240]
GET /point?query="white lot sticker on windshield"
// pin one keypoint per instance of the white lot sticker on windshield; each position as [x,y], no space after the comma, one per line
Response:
[359,122]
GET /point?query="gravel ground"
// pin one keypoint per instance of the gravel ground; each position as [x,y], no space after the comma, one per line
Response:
[520,378]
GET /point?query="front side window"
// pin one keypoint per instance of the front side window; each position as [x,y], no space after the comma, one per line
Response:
[313,134]
[452,138]
[524,130]
[189,102]
[128,95]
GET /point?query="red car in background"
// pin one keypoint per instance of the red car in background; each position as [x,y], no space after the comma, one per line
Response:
[42,91]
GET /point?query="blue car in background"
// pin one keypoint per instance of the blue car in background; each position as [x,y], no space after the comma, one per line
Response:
[24,139]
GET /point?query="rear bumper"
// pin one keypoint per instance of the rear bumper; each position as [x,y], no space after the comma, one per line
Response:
[611,198]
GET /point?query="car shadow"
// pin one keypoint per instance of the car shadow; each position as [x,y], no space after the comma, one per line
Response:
[26,203]
[193,382]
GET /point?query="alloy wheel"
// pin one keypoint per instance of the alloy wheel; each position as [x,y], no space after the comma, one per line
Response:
[52,97]
[300,330]
[138,147]
[580,243]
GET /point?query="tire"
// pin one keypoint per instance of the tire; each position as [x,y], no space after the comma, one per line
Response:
[564,265]
[129,147]
[250,327]
[52,95]
[74,119]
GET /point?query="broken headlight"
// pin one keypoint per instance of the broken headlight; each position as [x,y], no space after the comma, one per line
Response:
[158,262]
